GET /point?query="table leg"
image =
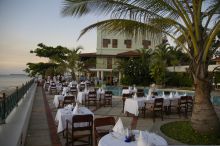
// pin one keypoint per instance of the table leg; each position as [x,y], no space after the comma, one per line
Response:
[134,122]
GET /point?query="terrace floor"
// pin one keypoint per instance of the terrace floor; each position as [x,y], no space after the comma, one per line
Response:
[42,127]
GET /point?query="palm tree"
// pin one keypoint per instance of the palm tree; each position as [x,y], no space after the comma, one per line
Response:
[198,21]
[71,63]
[158,63]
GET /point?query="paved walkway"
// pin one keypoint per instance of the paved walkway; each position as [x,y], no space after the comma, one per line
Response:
[38,131]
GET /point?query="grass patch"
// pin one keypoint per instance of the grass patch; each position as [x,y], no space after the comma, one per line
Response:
[182,131]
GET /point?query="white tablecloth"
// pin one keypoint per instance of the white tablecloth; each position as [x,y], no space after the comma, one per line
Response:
[115,139]
[81,96]
[132,105]
[66,114]
[56,100]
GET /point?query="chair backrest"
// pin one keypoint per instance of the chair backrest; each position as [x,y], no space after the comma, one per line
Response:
[166,93]
[189,99]
[158,103]
[81,87]
[68,100]
[154,93]
[104,121]
[140,90]
[81,119]
[73,89]
[92,94]
[183,100]
[108,94]
[124,87]
[140,94]
[88,84]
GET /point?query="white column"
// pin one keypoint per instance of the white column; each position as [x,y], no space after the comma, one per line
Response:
[97,73]
[102,75]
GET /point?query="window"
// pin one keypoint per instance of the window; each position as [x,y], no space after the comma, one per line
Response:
[146,43]
[128,43]
[109,63]
[105,43]
[114,43]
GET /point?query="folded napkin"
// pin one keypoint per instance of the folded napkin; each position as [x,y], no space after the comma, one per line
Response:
[163,95]
[135,96]
[141,140]
[119,128]
[171,95]
[176,94]
[76,109]
[69,107]
[149,97]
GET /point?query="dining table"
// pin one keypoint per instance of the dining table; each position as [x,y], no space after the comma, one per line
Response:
[67,113]
[116,139]
[132,105]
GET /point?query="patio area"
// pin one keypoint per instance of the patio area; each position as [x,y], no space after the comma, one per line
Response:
[42,129]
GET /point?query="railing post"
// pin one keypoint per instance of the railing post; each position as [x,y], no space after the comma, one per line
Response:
[4,110]
[17,98]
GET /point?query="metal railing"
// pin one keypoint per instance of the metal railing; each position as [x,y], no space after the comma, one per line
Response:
[8,103]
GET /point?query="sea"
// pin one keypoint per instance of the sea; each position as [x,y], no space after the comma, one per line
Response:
[8,83]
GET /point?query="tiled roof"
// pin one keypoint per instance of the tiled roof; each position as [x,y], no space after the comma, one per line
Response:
[123,54]
[129,54]
[87,55]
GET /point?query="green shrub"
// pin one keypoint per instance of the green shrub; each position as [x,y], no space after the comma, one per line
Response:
[179,79]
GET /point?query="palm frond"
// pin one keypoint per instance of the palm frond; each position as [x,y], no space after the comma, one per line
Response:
[139,10]
[123,26]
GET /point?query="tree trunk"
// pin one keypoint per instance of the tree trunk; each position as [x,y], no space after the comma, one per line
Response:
[204,118]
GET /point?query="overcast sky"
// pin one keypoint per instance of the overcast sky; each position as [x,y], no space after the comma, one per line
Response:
[26,23]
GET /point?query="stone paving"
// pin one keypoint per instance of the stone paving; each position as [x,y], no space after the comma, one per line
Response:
[38,131]
[147,123]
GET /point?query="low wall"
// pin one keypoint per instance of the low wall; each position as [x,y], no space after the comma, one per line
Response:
[13,133]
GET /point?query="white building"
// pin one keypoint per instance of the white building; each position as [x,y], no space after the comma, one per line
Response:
[112,47]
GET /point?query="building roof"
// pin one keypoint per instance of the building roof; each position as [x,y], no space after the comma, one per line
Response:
[217,59]
[129,54]
[87,55]
[123,54]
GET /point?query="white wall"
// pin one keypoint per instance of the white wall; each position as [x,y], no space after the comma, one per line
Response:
[14,131]
[136,43]
[183,68]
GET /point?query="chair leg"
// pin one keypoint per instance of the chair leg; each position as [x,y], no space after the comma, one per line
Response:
[154,116]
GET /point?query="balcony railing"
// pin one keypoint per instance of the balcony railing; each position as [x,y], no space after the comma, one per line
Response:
[8,103]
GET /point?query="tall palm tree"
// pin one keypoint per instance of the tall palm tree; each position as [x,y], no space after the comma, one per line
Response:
[198,21]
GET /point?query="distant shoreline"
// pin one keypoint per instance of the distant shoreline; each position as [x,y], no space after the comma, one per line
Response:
[13,75]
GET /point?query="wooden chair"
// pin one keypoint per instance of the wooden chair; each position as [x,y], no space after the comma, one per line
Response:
[68,100]
[157,108]
[53,88]
[182,105]
[185,105]
[73,90]
[108,98]
[92,97]
[190,104]
[101,127]
[140,93]
[78,134]
[82,87]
